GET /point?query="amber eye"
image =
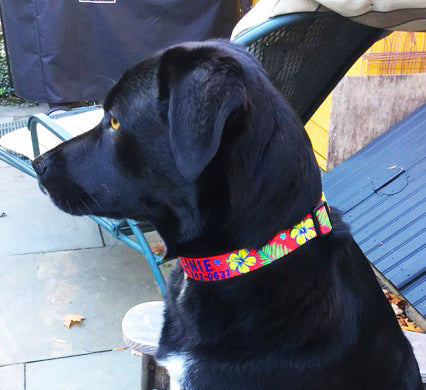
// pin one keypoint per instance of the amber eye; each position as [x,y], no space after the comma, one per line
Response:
[115,124]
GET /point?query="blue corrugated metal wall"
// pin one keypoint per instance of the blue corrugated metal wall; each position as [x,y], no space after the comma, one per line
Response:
[382,192]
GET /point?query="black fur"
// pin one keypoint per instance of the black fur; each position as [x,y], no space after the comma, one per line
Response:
[211,154]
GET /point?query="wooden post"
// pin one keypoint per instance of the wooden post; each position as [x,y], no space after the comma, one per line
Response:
[153,376]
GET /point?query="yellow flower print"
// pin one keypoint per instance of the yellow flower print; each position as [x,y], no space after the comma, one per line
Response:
[303,231]
[241,261]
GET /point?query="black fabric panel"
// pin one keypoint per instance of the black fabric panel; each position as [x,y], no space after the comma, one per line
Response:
[64,50]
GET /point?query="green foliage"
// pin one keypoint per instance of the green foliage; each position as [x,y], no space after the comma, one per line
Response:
[5,82]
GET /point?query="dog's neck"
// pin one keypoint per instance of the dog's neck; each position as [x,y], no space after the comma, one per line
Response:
[239,262]
[232,218]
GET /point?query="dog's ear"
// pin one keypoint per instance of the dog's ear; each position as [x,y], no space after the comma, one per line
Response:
[199,88]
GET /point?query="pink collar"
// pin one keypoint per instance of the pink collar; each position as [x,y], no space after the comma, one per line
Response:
[238,262]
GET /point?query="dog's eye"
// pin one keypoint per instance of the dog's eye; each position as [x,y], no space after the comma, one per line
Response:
[115,124]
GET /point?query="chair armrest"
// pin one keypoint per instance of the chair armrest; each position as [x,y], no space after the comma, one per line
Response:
[49,124]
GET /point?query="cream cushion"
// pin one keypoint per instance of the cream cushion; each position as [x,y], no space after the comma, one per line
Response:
[408,15]
[19,141]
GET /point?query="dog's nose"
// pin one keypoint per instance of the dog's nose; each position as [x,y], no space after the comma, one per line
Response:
[40,165]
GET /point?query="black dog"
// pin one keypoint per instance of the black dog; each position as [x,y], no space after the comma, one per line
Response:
[197,141]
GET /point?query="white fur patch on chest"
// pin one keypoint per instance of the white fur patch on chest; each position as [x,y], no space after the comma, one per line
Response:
[177,367]
[183,287]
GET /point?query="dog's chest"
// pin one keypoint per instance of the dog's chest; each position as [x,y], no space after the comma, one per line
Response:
[177,366]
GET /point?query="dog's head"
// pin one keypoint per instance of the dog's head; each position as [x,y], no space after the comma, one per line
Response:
[195,140]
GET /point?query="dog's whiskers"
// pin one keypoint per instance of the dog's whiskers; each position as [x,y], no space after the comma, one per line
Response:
[69,206]
[94,199]
[87,207]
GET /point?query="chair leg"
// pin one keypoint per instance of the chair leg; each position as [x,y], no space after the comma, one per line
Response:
[147,377]
[147,252]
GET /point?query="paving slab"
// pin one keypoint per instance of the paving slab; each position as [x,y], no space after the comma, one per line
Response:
[12,377]
[34,224]
[38,290]
[116,370]
[152,237]
[109,240]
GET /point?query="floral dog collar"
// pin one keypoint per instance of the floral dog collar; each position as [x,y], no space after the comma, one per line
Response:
[235,263]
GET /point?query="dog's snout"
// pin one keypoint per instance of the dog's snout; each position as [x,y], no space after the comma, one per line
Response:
[40,165]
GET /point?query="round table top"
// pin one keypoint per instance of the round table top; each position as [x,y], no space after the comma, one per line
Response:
[142,325]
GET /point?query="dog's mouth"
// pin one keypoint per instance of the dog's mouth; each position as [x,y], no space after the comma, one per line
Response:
[42,187]
[81,203]
[78,205]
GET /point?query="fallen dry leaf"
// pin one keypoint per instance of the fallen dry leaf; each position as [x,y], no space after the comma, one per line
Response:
[402,321]
[396,309]
[70,319]
[398,304]
[401,303]
[412,327]
[120,348]
[158,248]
